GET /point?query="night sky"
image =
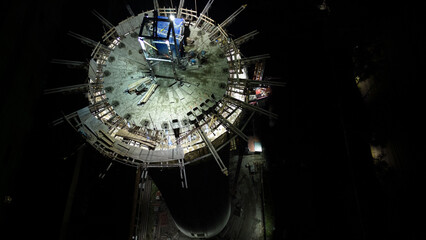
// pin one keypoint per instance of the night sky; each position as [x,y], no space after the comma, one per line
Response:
[322,179]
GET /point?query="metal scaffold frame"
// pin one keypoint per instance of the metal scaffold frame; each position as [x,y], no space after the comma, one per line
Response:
[155,37]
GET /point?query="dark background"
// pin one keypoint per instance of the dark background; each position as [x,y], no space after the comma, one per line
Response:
[323,182]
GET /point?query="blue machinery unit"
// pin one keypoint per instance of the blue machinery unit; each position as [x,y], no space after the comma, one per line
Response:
[161,32]
[165,33]
[177,24]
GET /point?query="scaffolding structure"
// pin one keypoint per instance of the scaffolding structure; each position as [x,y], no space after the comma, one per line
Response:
[144,147]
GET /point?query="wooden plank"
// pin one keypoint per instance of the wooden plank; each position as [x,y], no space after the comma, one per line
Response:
[149,93]
[106,135]
[137,138]
[125,146]
[132,86]
[105,138]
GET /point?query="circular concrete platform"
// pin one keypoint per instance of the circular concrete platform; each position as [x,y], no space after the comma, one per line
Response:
[197,86]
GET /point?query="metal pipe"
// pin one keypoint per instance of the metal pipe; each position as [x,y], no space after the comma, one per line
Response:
[179,13]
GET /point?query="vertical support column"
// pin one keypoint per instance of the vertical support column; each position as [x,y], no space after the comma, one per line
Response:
[183,173]
[151,70]
[71,192]
[156,6]
[144,203]
[174,39]
[133,226]
[171,58]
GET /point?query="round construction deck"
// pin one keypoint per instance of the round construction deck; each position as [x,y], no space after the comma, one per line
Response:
[172,99]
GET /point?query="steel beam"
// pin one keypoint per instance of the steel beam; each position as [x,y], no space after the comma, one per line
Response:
[103,20]
[232,127]
[204,12]
[78,87]
[213,151]
[246,37]
[250,107]
[249,60]
[228,20]
[69,63]
[183,173]
[233,16]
